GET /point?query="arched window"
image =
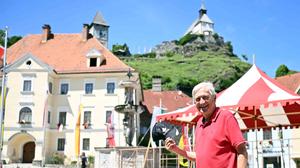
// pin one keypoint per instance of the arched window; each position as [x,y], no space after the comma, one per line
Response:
[25,115]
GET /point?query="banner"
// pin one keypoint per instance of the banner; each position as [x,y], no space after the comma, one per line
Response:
[77,132]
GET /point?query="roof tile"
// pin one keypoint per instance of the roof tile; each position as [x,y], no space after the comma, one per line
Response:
[292,82]
[66,53]
[170,100]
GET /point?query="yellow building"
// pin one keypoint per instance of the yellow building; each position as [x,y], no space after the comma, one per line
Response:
[48,77]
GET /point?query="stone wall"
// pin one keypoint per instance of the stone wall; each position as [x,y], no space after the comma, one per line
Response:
[201,43]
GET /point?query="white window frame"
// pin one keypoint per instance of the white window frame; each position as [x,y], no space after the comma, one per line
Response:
[109,108]
[50,90]
[64,82]
[110,81]
[267,134]
[27,78]
[89,145]
[51,114]
[31,114]
[86,81]
[29,82]
[62,109]
[89,108]
[57,144]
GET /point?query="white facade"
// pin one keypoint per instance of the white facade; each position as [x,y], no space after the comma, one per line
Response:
[267,149]
[28,82]
[202,25]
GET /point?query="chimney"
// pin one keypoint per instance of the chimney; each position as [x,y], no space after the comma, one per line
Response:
[46,33]
[85,32]
[156,84]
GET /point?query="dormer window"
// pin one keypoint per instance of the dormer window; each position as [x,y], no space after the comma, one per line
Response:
[95,58]
[93,62]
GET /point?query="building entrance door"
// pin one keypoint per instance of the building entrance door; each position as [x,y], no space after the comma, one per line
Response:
[28,152]
[272,162]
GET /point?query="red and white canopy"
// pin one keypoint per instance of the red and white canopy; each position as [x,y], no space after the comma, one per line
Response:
[183,116]
[257,100]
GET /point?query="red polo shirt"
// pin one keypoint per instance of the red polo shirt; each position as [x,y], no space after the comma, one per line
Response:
[216,141]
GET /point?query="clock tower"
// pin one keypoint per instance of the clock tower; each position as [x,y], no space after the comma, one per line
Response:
[99,29]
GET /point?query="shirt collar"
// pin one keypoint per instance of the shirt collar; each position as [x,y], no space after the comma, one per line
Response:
[213,118]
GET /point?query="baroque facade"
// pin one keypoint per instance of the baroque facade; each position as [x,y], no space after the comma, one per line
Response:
[59,83]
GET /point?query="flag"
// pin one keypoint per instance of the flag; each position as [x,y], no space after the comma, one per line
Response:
[156,111]
[110,140]
[77,132]
[3,114]
[184,145]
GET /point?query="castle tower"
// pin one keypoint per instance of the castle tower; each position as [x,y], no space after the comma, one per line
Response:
[99,29]
[203,24]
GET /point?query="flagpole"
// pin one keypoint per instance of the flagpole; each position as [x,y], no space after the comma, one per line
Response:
[45,121]
[2,95]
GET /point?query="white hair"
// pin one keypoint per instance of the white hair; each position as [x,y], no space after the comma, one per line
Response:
[207,85]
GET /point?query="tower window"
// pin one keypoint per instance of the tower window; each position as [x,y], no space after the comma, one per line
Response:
[93,62]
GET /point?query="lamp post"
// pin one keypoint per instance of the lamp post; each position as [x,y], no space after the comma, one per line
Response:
[3,95]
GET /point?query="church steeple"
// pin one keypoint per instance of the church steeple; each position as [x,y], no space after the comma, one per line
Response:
[202,10]
[99,29]
[203,24]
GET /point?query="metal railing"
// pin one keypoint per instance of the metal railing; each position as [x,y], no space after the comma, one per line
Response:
[278,153]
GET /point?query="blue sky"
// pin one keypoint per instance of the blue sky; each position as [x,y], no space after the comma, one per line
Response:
[270,29]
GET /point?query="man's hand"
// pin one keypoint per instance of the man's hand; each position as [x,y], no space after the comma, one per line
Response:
[242,156]
[170,144]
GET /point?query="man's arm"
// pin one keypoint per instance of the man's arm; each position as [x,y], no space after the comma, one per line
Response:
[242,156]
[171,146]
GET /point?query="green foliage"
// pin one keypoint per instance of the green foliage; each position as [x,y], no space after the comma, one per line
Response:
[282,70]
[204,47]
[10,40]
[74,162]
[186,85]
[121,50]
[170,54]
[229,46]
[187,38]
[57,158]
[146,55]
[183,73]
[91,159]
[216,36]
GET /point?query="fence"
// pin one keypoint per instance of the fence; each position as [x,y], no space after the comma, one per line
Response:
[267,153]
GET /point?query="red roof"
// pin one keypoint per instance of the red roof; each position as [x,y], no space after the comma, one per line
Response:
[170,100]
[65,53]
[1,55]
[292,82]
[1,51]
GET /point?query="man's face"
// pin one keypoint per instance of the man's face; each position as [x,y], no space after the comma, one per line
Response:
[205,102]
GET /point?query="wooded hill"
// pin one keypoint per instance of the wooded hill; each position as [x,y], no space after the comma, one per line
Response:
[181,72]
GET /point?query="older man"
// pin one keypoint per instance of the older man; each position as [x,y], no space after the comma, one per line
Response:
[219,142]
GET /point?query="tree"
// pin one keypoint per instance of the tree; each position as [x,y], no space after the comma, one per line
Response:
[282,70]
[229,46]
[121,50]
[244,56]
[10,40]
